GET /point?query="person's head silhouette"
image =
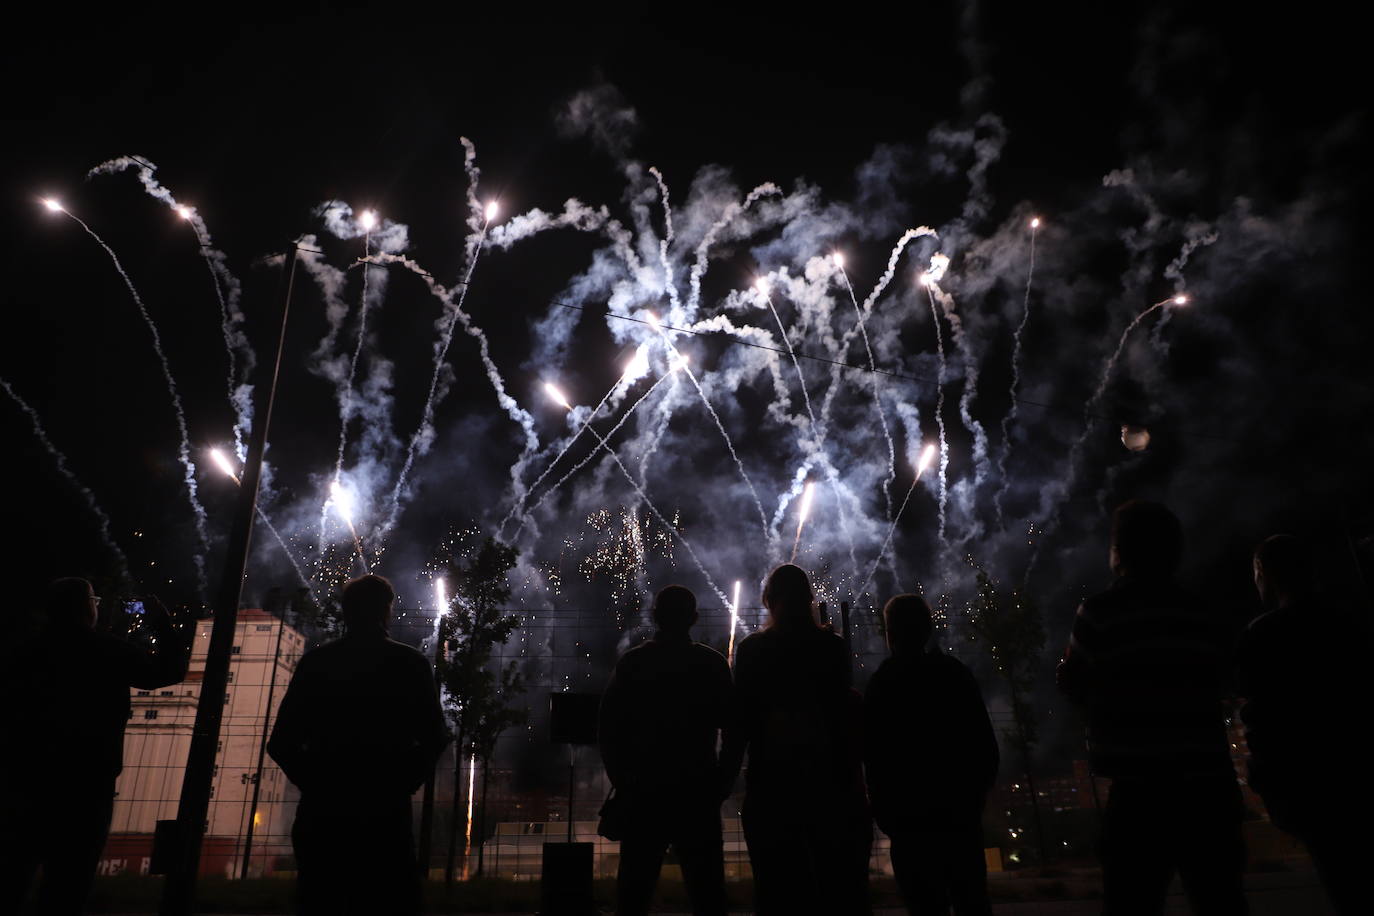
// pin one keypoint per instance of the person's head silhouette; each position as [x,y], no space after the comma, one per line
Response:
[366,603]
[1283,571]
[1147,540]
[70,603]
[787,595]
[675,609]
[906,620]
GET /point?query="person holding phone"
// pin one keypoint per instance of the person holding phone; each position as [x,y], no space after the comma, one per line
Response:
[70,683]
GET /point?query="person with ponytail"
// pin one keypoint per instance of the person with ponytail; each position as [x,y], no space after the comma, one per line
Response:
[805,815]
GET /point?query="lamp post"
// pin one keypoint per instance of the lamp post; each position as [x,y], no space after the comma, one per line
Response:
[178,894]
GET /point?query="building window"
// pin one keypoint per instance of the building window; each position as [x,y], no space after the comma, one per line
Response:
[229,678]
[168,693]
[234,650]
[263,628]
[143,693]
[150,713]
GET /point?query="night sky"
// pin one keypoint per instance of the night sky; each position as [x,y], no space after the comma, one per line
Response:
[1137,136]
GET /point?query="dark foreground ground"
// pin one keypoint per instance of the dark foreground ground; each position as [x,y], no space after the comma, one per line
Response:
[1066,891]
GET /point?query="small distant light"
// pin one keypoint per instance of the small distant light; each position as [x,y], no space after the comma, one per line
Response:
[53,205]
[1135,438]
[1180,299]
[1035,223]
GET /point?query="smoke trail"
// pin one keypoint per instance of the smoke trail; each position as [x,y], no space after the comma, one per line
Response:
[1015,386]
[102,520]
[939,263]
[676,306]
[228,292]
[766,189]
[423,438]
[940,410]
[1056,495]
[184,449]
[867,309]
[877,399]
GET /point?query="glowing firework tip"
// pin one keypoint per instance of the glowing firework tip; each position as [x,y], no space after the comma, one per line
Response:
[491,211]
[184,211]
[52,205]
[1035,223]
[368,220]
[839,260]
[762,286]
[222,462]
[440,596]
[927,456]
[1180,299]
[557,395]
[342,501]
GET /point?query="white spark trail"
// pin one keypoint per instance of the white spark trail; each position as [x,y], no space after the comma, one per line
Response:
[555,487]
[725,436]
[184,448]
[424,435]
[877,398]
[940,413]
[102,520]
[1015,386]
[228,292]
[867,309]
[346,398]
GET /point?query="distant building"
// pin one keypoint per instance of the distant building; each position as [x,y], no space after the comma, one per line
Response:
[265,652]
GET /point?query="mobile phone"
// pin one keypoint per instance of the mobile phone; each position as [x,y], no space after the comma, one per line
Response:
[134,608]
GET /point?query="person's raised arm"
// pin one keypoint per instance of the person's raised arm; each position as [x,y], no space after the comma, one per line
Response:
[166,663]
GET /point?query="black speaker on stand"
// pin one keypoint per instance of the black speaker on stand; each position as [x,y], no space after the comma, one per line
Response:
[566,878]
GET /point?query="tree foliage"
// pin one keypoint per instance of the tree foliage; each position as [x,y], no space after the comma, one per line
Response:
[1012,632]
[476,692]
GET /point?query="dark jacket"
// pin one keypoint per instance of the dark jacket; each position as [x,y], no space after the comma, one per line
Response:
[1302,671]
[930,753]
[360,721]
[71,690]
[1150,665]
[800,723]
[665,705]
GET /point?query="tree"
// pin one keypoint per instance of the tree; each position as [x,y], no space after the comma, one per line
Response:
[1012,632]
[476,691]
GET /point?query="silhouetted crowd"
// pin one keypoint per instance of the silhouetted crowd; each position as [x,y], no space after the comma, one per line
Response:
[1152,668]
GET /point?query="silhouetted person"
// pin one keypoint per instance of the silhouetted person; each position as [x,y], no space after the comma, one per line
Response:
[69,693]
[665,705]
[931,757]
[1303,671]
[359,730]
[806,818]
[1149,666]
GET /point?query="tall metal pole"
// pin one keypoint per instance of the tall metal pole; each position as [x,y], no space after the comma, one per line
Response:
[262,749]
[178,894]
